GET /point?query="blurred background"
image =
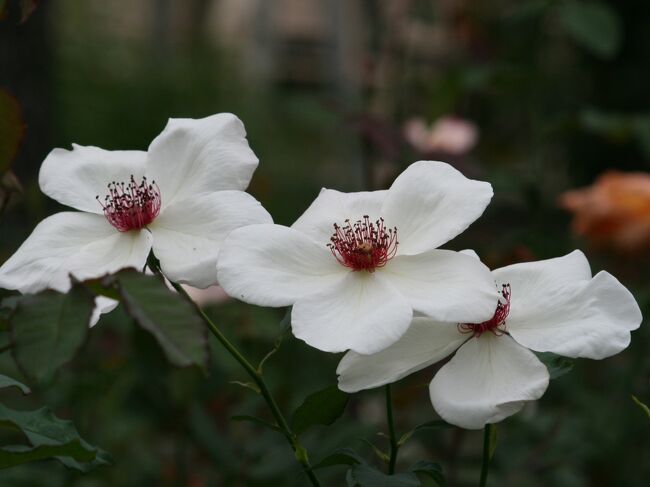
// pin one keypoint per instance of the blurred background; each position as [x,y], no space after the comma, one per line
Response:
[546,99]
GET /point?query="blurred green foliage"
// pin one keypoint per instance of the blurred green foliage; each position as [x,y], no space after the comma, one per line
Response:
[559,91]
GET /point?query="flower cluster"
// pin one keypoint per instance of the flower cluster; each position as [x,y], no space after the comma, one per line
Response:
[547,306]
[357,287]
[363,271]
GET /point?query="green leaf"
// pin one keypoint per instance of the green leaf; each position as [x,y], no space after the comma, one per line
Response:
[48,329]
[435,424]
[103,286]
[593,25]
[645,408]
[367,476]
[493,438]
[9,382]
[301,454]
[10,302]
[4,318]
[619,127]
[171,319]
[431,470]
[256,420]
[342,456]
[612,125]
[12,129]
[322,407]
[557,365]
[43,428]
[13,455]
[7,307]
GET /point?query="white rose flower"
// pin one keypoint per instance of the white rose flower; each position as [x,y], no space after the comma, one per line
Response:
[181,198]
[547,306]
[355,265]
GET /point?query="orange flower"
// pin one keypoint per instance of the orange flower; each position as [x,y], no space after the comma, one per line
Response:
[614,211]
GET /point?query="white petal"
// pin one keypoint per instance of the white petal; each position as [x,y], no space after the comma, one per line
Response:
[332,207]
[363,313]
[188,234]
[444,285]
[272,265]
[471,253]
[74,178]
[591,319]
[536,284]
[81,244]
[489,379]
[430,203]
[196,156]
[103,305]
[424,343]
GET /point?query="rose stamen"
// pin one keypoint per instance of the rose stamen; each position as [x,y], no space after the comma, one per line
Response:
[495,325]
[131,206]
[363,245]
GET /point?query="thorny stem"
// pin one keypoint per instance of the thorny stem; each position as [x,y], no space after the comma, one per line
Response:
[394,446]
[299,450]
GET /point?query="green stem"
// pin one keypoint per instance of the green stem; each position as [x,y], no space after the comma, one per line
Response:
[394,446]
[6,347]
[292,438]
[486,455]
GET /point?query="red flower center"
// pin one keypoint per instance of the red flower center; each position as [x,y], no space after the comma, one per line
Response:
[496,324]
[130,206]
[363,245]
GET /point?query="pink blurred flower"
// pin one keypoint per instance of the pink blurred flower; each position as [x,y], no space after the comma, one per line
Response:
[614,211]
[207,296]
[448,134]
